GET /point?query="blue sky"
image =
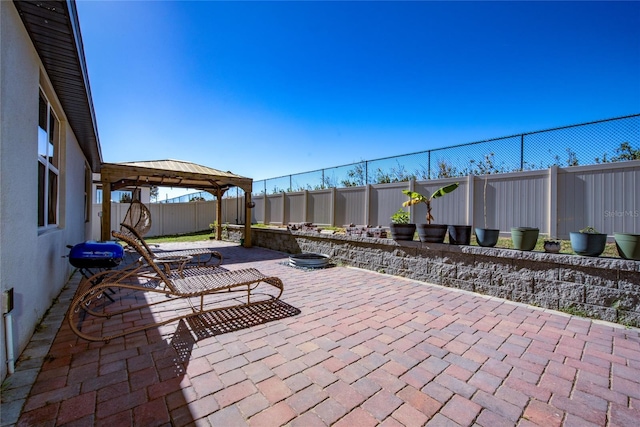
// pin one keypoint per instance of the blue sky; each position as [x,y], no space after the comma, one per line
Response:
[266,89]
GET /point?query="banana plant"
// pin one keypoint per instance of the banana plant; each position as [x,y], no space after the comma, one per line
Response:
[415,198]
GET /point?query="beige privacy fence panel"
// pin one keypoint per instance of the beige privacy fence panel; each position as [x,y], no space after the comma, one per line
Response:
[608,200]
[556,200]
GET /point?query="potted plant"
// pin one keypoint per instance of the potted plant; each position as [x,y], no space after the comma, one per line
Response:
[552,246]
[432,233]
[486,237]
[588,241]
[628,245]
[400,227]
[524,238]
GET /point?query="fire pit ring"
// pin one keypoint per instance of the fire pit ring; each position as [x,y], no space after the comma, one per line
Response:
[309,260]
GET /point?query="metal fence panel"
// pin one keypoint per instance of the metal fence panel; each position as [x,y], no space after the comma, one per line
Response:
[308,181]
[495,156]
[582,144]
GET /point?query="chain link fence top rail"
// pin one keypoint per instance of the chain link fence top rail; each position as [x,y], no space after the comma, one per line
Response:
[600,141]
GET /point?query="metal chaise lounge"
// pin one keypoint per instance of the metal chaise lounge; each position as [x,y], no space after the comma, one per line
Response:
[199,257]
[172,296]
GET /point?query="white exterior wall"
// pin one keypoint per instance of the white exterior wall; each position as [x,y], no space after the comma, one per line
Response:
[31,263]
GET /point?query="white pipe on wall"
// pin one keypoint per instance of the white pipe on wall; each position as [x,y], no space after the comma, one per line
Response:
[8,334]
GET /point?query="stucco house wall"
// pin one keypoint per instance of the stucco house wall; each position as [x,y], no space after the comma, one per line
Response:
[31,261]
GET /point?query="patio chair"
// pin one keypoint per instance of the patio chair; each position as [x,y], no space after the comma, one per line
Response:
[138,216]
[148,286]
[199,257]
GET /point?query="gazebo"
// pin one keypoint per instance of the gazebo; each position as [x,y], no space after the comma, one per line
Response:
[172,173]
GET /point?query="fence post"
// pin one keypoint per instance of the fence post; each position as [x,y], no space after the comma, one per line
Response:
[522,152]
[264,209]
[333,207]
[553,202]
[305,207]
[284,208]
[366,172]
[428,165]
[367,202]
[412,187]
[471,179]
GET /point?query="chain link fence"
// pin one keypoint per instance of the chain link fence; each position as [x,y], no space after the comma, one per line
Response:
[602,141]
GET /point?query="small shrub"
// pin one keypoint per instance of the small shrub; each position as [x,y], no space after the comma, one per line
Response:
[400,217]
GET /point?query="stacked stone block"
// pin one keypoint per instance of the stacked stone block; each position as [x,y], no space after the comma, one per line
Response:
[603,288]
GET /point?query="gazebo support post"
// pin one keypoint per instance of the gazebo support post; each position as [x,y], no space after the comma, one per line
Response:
[219,214]
[105,219]
[247,218]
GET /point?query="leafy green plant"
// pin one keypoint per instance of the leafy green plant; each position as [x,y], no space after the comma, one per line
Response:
[576,311]
[415,198]
[589,230]
[400,217]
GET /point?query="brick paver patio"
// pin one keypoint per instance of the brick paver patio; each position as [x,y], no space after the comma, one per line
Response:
[367,349]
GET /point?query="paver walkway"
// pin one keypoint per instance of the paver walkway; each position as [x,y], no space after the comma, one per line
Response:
[367,349]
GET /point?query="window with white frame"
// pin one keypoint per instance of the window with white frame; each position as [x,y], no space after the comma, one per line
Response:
[48,164]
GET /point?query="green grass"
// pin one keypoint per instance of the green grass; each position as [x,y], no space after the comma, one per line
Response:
[197,236]
[575,311]
[565,246]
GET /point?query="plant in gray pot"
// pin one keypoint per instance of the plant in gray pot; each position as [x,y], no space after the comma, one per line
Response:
[429,233]
[588,241]
[400,227]
[486,237]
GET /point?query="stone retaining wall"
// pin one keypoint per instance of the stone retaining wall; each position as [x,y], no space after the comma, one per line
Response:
[602,288]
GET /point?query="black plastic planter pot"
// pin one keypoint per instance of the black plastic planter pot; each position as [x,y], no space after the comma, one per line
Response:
[459,234]
[432,233]
[402,231]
